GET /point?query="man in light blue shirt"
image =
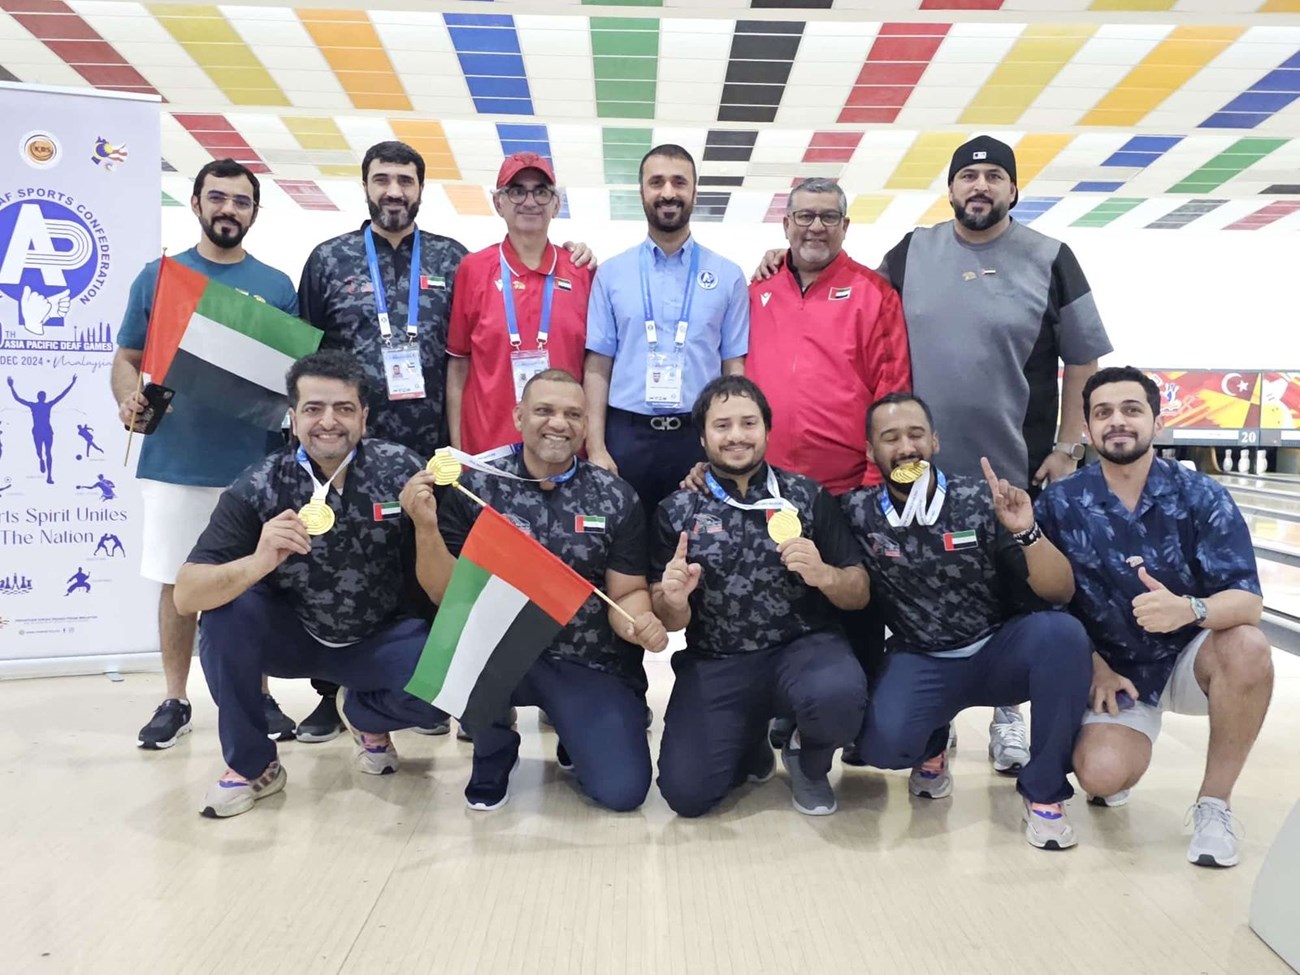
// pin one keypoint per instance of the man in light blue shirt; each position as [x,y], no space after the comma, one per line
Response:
[664,319]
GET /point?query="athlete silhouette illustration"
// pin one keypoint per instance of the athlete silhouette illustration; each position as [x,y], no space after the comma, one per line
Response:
[79,580]
[87,433]
[42,430]
[106,488]
[110,545]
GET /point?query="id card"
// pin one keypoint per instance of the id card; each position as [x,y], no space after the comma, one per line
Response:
[402,372]
[663,379]
[525,365]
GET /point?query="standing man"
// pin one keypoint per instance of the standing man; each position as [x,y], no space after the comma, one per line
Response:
[196,451]
[752,568]
[665,317]
[42,429]
[1169,592]
[520,308]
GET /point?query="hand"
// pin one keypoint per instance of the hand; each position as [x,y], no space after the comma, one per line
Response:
[582,254]
[10,381]
[680,577]
[769,265]
[694,479]
[130,408]
[600,457]
[282,536]
[801,557]
[1057,467]
[418,502]
[1105,685]
[1012,505]
[648,632]
[1159,610]
[36,310]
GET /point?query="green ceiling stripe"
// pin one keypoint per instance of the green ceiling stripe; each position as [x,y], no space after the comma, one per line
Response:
[1107,211]
[168,201]
[625,55]
[625,205]
[1239,156]
[623,151]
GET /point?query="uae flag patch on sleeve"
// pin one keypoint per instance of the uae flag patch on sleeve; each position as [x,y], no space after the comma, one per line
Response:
[387,510]
[952,541]
[593,524]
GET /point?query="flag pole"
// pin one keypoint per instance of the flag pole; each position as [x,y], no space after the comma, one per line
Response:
[139,385]
[613,605]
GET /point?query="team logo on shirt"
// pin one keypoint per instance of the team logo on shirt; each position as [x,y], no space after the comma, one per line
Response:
[519,523]
[882,544]
[968,275]
[955,541]
[564,284]
[706,524]
[708,280]
[765,297]
[1134,561]
[840,294]
[589,524]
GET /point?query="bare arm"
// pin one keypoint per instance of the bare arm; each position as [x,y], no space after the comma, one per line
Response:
[1233,607]
[203,587]
[846,588]
[631,593]
[596,373]
[457,374]
[434,563]
[1072,423]
[734,367]
[125,381]
[1050,575]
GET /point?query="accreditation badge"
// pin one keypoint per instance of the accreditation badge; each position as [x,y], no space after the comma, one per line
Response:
[663,379]
[402,371]
[525,365]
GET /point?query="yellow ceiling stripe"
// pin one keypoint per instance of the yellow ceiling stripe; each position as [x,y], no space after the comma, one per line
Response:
[867,207]
[927,158]
[1029,67]
[1169,66]
[341,172]
[469,201]
[1133,5]
[217,48]
[1281,7]
[1034,152]
[317,133]
[429,140]
[939,211]
[351,45]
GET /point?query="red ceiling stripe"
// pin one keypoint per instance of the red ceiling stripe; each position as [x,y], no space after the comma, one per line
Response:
[776,211]
[832,147]
[893,68]
[1263,217]
[215,134]
[306,194]
[64,32]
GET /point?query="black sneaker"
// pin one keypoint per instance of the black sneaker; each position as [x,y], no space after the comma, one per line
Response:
[279,726]
[779,731]
[562,758]
[323,724]
[488,790]
[760,763]
[169,722]
[439,727]
[649,717]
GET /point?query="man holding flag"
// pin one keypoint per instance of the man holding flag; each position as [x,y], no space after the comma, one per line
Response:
[589,679]
[198,449]
[307,569]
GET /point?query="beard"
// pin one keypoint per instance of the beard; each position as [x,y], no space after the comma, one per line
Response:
[667,224]
[394,223]
[226,232]
[996,212]
[1128,455]
[720,464]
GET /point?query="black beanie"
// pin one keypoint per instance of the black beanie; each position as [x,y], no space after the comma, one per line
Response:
[983,149]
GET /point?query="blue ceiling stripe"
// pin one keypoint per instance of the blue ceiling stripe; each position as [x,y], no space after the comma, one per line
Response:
[1030,208]
[1096,186]
[487,46]
[1142,150]
[1265,98]
[530,138]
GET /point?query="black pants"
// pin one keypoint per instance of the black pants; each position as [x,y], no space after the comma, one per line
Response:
[653,453]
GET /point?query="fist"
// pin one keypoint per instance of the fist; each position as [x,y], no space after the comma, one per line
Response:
[648,632]
[801,557]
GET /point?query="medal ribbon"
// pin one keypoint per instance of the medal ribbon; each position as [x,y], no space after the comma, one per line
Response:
[480,462]
[774,503]
[320,491]
[916,508]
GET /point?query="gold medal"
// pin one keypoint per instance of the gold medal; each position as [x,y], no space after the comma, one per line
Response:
[445,467]
[907,473]
[784,525]
[317,517]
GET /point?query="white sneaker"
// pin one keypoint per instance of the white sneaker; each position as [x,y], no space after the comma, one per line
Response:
[1008,741]
[1120,798]
[1048,827]
[1214,835]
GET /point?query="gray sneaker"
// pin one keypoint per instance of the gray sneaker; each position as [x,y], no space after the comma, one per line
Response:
[374,753]
[1120,798]
[1048,827]
[811,796]
[931,779]
[232,794]
[1214,836]
[1008,741]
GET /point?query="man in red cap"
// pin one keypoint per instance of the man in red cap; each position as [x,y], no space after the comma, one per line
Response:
[520,307]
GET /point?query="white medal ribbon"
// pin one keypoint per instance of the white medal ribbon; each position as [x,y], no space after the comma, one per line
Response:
[480,462]
[916,508]
[321,490]
[774,503]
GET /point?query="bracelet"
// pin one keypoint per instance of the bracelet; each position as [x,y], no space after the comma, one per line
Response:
[1027,537]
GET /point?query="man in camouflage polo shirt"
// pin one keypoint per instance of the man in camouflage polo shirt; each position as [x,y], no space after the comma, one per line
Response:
[306,569]
[590,680]
[964,579]
[756,589]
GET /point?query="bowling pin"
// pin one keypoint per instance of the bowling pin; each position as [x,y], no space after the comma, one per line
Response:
[1227,461]
[1261,462]
[1243,462]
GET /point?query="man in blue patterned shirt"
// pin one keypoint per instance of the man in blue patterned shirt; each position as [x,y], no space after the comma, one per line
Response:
[1165,582]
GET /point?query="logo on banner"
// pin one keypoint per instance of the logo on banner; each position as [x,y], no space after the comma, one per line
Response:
[108,155]
[40,150]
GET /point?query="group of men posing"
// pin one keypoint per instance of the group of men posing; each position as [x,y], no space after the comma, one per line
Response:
[761,468]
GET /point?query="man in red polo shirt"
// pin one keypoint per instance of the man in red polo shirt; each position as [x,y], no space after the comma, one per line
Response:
[519,307]
[826,340]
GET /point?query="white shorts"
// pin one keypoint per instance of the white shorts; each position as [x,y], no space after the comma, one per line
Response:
[174,518]
[1182,695]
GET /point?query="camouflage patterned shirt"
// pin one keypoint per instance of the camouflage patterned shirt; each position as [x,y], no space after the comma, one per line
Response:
[592,522]
[360,575]
[337,296]
[747,601]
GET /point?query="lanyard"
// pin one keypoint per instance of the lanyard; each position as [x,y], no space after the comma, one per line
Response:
[915,509]
[482,462]
[381,299]
[774,503]
[319,491]
[508,298]
[651,329]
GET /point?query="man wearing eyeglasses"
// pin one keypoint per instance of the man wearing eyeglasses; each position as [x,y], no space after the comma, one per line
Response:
[196,451]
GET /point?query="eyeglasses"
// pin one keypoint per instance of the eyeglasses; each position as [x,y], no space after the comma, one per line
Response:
[219,199]
[518,194]
[805,218]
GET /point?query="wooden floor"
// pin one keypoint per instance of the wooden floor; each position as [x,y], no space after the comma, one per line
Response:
[107,866]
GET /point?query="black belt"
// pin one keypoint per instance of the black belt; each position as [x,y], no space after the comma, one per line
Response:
[659,422]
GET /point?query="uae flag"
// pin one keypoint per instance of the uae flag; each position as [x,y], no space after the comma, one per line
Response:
[222,347]
[507,599]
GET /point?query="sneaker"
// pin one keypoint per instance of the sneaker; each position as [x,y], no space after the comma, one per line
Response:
[779,731]
[1008,741]
[441,727]
[463,735]
[931,779]
[169,722]
[1047,826]
[649,717]
[562,758]
[374,753]
[1120,798]
[1214,836]
[233,794]
[850,756]
[279,726]
[491,792]
[952,737]
[323,724]
[760,763]
[812,796]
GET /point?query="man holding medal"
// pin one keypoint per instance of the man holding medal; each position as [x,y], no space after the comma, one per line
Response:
[754,568]
[590,680]
[307,569]
[959,568]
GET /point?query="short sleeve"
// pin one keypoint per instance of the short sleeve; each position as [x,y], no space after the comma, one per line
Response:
[456,516]
[135,320]
[602,326]
[463,314]
[1082,336]
[663,542]
[1224,553]
[832,533]
[735,325]
[233,532]
[311,291]
[628,552]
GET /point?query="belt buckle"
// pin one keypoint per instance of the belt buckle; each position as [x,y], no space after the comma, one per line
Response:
[665,423]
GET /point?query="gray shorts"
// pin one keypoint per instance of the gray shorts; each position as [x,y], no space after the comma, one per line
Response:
[1182,695]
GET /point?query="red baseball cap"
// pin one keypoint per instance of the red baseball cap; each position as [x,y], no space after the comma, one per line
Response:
[517,163]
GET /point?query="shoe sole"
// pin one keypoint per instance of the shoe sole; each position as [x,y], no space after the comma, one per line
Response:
[1208,860]
[1052,845]
[289,735]
[157,746]
[313,738]
[1103,803]
[932,793]
[210,812]
[1011,768]
[816,811]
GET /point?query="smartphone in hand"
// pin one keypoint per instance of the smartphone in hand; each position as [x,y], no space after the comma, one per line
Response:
[158,399]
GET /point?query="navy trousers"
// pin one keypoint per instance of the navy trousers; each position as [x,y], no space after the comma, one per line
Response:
[652,461]
[1043,658]
[258,634]
[720,707]
[599,718]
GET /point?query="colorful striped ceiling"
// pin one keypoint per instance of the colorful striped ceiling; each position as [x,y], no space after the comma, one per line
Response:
[1151,113]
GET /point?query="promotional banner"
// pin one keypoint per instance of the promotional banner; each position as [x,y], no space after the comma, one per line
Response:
[1279,415]
[1211,406]
[80,183]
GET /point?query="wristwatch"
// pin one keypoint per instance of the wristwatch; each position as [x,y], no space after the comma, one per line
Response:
[1199,609]
[1072,450]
